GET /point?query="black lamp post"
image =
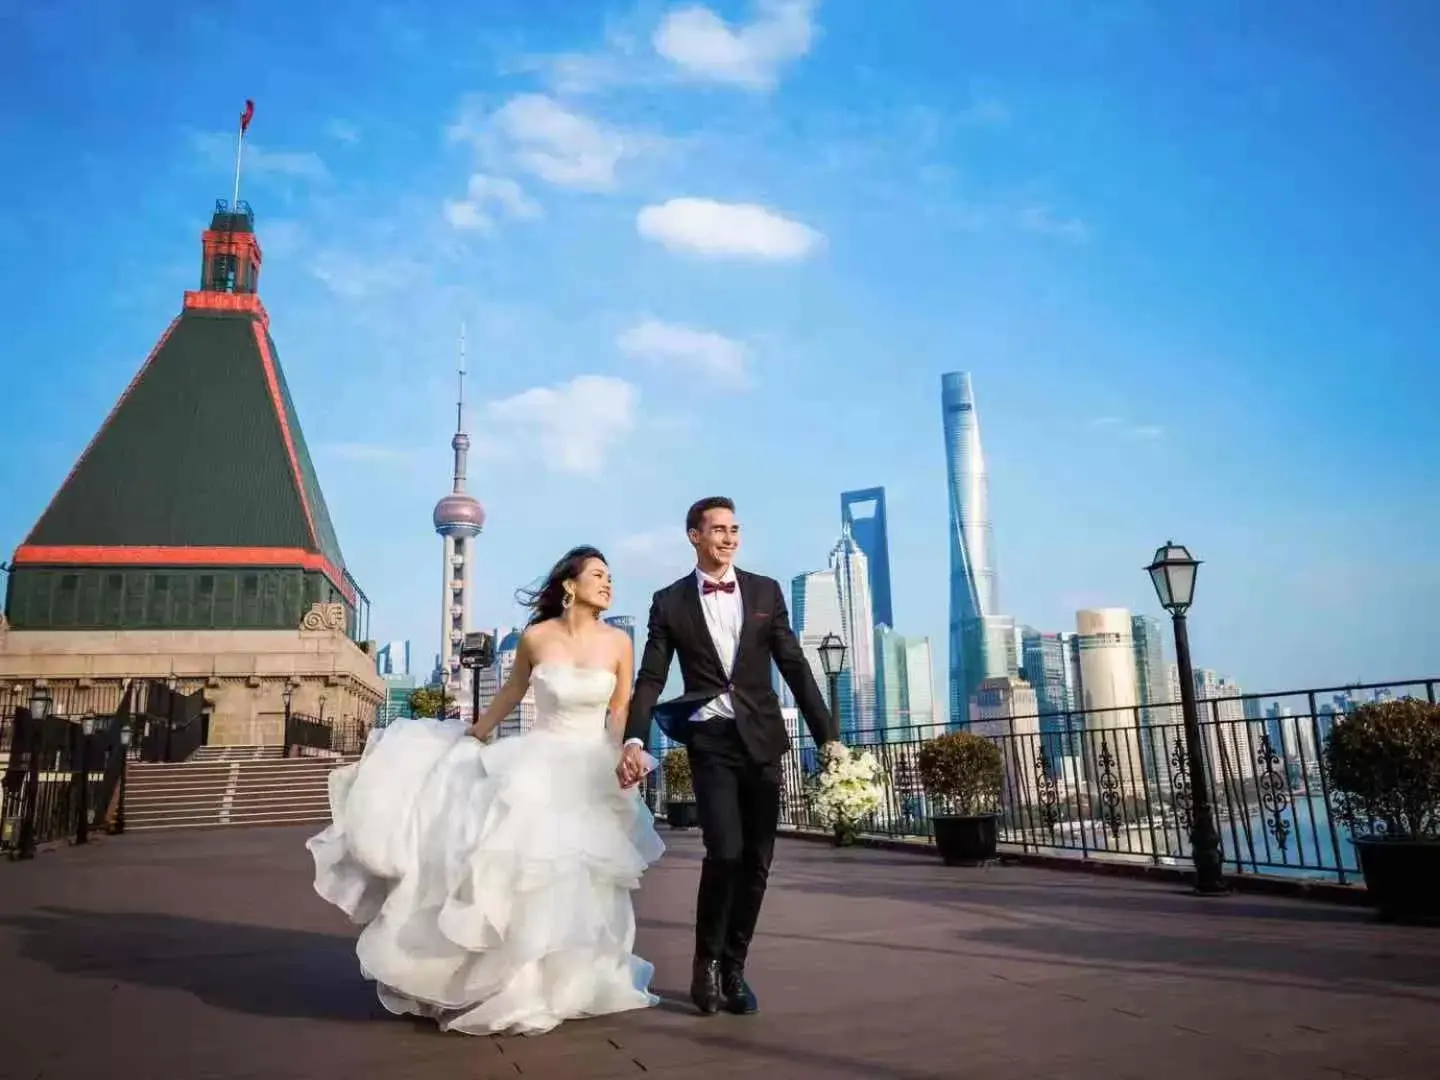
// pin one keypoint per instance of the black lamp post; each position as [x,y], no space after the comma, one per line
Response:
[477,653]
[81,778]
[287,696]
[832,659]
[126,733]
[1173,573]
[40,706]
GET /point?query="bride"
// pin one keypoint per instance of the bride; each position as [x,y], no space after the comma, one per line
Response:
[493,881]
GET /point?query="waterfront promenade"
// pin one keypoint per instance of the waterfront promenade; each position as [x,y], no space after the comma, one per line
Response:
[206,955]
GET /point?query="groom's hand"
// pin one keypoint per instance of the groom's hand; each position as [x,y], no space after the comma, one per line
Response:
[631,768]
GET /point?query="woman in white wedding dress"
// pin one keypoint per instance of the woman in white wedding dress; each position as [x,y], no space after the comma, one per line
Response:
[493,881]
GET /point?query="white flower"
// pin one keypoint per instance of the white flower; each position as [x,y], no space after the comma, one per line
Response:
[846,790]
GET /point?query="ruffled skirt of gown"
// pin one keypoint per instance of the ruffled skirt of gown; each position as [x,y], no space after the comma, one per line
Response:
[493,881]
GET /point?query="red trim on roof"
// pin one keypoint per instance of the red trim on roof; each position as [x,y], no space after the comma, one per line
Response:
[242,303]
[82,555]
[278,400]
[109,417]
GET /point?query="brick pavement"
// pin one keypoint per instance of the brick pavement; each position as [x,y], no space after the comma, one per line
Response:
[206,956]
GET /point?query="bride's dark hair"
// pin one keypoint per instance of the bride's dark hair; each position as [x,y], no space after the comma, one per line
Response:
[547,600]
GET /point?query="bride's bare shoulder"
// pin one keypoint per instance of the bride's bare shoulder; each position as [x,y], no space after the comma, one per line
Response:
[535,635]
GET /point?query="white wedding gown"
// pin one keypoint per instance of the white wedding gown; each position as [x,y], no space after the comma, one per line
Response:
[494,881]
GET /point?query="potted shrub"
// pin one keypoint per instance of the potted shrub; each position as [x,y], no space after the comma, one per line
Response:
[1383,760]
[962,775]
[680,809]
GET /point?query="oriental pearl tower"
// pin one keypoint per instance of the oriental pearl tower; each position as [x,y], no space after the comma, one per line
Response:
[458,517]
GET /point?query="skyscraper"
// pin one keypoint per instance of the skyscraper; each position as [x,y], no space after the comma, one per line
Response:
[1051,664]
[892,686]
[815,611]
[863,512]
[973,598]
[393,658]
[857,617]
[904,687]
[920,678]
[1151,687]
[1108,693]
[458,519]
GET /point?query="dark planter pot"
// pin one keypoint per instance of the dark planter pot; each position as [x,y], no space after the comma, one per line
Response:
[1403,878]
[965,841]
[681,814]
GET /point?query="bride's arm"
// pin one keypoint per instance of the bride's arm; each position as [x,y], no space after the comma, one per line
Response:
[510,695]
[624,687]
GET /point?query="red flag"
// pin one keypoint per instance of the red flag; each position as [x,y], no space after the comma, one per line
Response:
[246,116]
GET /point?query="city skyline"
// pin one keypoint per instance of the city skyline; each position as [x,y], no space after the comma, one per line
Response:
[916,198]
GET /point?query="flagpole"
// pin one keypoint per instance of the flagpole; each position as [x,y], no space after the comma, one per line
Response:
[245,118]
[239,152]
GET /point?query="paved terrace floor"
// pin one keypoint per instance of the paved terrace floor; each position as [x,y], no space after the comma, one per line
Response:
[206,955]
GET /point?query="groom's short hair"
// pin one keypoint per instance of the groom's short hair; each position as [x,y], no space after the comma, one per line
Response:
[695,516]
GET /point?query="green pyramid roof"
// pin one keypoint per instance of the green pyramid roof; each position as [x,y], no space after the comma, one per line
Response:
[201,465]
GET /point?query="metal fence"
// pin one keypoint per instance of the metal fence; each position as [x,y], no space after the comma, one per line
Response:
[311,736]
[1115,784]
[64,776]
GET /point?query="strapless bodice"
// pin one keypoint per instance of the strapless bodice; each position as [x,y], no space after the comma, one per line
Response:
[571,700]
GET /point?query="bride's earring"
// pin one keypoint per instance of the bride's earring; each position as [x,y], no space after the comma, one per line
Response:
[569,599]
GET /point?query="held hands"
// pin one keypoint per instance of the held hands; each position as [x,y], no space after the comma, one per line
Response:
[634,764]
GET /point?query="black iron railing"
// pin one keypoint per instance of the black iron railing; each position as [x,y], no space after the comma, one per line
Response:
[63,778]
[309,736]
[1114,784]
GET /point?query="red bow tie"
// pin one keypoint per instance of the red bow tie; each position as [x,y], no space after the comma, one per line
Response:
[718,586]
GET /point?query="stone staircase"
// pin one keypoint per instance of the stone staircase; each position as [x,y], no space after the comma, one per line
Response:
[229,786]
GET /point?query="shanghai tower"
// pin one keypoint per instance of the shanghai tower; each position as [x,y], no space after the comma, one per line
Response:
[976,646]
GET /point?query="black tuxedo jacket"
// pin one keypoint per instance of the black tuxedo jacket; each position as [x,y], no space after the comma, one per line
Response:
[677,625]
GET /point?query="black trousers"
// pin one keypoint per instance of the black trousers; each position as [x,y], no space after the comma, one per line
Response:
[738,801]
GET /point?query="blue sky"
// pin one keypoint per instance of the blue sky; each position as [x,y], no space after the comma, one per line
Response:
[1186,254]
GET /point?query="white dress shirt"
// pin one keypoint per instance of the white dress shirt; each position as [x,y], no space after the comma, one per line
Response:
[724,616]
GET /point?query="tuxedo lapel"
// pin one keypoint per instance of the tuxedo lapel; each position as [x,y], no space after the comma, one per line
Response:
[695,619]
[746,584]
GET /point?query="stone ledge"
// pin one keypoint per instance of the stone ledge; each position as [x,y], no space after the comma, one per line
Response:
[1329,892]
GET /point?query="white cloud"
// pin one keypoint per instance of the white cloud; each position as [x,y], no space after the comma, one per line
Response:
[704,46]
[219,151]
[702,351]
[733,230]
[537,134]
[655,553]
[484,192]
[570,427]
[358,278]
[1042,221]
[342,131]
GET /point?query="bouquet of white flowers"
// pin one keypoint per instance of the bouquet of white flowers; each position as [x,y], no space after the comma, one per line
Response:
[846,790]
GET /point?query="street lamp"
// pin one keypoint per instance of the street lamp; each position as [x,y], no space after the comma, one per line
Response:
[81,779]
[40,706]
[1173,573]
[477,653]
[832,659]
[125,736]
[40,703]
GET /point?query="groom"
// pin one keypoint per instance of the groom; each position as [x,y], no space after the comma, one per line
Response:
[727,625]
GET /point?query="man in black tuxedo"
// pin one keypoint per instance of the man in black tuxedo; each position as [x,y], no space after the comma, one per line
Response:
[727,625]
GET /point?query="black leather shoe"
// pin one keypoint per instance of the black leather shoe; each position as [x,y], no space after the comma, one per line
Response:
[705,987]
[739,998]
